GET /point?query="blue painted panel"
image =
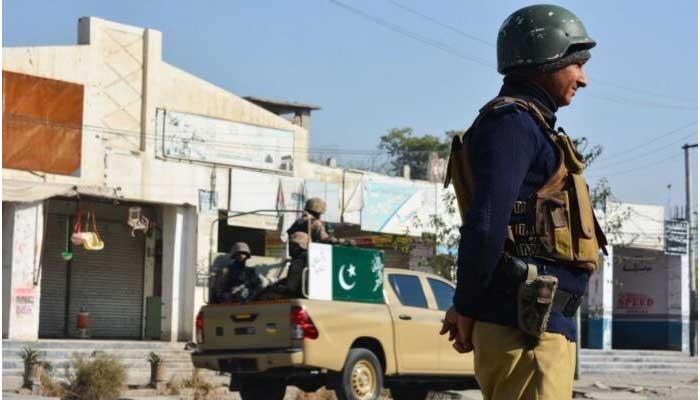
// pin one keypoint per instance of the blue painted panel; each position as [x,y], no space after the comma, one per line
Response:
[656,335]
[595,334]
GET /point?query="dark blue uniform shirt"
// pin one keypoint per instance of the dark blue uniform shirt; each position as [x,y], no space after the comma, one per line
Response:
[511,158]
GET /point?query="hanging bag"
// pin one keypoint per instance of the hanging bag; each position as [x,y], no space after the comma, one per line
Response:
[93,241]
[78,237]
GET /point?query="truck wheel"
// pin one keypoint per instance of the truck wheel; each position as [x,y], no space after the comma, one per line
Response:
[362,377]
[253,389]
[409,393]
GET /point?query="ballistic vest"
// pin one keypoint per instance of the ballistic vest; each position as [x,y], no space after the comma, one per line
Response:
[561,225]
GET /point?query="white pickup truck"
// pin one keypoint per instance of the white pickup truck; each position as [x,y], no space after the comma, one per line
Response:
[354,348]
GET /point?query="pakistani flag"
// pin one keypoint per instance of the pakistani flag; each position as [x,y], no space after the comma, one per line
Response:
[345,273]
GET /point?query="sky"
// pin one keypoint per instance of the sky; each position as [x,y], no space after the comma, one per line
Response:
[376,65]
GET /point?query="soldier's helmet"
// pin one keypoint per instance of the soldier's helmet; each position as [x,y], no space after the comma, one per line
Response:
[315,205]
[538,35]
[240,247]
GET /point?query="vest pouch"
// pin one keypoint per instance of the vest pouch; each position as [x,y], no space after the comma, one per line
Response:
[585,240]
[572,158]
[553,225]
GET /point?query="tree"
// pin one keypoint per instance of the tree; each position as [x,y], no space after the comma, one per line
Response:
[403,148]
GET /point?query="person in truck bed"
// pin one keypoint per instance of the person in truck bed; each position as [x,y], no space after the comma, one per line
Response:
[236,282]
[308,228]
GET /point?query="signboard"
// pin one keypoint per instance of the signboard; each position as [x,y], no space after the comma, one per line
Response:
[398,206]
[345,274]
[196,137]
[676,237]
[641,282]
[208,202]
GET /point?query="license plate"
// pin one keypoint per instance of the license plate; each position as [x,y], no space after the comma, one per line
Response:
[246,330]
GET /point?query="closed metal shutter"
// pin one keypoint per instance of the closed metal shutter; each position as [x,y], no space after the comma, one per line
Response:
[108,283]
[52,307]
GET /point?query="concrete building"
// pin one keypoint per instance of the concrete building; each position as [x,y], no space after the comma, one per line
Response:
[105,136]
[640,297]
[116,106]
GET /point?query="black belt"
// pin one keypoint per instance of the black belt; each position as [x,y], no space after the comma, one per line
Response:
[566,303]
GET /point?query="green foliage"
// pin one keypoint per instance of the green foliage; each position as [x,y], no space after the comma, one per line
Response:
[100,377]
[404,148]
[154,358]
[581,144]
[30,356]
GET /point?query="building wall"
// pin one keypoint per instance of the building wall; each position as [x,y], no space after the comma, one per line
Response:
[125,81]
[648,298]
[634,225]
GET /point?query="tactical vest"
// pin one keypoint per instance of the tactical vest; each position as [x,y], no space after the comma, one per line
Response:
[561,225]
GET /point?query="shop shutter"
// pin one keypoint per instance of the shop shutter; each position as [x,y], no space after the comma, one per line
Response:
[109,283]
[52,307]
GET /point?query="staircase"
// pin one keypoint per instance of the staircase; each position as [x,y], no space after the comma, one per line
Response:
[637,362]
[133,354]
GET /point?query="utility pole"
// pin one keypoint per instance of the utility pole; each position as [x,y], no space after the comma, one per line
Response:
[691,251]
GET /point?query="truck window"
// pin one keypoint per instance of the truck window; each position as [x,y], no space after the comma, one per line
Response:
[408,290]
[443,293]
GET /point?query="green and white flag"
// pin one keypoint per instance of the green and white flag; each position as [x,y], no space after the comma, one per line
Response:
[346,273]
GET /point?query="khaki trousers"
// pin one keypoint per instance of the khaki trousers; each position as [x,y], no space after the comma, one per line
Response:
[510,365]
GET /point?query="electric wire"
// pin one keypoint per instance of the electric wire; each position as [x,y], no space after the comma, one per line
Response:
[651,140]
[641,155]
[638,169]
[456,53]
[493,45]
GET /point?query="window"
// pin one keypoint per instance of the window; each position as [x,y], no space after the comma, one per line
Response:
[443,293]
[408,290]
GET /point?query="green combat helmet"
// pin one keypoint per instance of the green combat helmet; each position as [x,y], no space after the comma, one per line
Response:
[539,35]
[315,205]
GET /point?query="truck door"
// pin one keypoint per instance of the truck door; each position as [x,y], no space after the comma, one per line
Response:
[415,326]
[451,362]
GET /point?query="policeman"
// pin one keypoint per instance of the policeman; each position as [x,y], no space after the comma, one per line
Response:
[529,239]
[239,282]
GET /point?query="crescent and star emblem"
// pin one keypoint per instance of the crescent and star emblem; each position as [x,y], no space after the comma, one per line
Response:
[341,278]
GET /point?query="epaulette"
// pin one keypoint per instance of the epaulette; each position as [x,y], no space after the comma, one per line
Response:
[502,108]
[506,103]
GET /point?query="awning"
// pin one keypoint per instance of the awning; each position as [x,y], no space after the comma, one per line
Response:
[26,191]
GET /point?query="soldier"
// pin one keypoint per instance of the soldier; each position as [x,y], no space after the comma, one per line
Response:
[238,282]
[309,226]
[529,239]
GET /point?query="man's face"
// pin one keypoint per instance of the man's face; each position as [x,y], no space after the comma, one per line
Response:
[240,257]
[562,84]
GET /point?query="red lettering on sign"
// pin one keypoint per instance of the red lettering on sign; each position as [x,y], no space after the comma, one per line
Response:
[634,301]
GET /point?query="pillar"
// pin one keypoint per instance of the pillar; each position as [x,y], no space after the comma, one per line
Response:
[23,227]
[179,238]
[600,305]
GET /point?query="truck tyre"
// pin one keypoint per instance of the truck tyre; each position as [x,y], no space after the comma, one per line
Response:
[409,393]
[253,389]
[362,377]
